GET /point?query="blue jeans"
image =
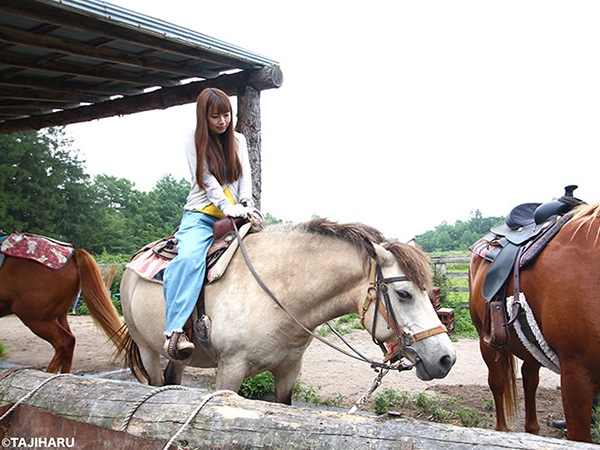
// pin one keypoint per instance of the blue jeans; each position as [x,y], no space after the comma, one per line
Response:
[184,276]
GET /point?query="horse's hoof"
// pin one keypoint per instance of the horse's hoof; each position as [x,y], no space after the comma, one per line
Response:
[559,423]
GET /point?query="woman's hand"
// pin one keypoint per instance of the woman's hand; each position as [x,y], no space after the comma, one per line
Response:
[247,212]
[236,210]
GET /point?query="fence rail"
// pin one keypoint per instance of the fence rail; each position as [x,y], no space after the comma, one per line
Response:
[442,263]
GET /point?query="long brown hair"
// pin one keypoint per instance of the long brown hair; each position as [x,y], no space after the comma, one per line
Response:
[226,165]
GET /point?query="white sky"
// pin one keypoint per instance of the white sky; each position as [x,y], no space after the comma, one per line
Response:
[397,114]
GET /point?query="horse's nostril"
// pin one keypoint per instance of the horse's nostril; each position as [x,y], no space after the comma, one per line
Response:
[446,362]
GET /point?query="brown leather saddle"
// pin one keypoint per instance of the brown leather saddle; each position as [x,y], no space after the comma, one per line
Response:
[516,244]
[223,232]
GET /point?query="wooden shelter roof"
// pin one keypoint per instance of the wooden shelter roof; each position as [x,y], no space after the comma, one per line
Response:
[68,61]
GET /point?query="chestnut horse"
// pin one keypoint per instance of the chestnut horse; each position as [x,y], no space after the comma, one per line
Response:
[319,270]
[562,289]
[41,298]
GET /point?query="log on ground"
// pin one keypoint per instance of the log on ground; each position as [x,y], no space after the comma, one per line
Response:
[226,420]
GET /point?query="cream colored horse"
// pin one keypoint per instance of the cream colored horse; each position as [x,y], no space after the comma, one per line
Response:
[319,271]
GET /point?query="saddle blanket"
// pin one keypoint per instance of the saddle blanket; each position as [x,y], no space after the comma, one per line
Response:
[147,264]
[486,248]
[51,254]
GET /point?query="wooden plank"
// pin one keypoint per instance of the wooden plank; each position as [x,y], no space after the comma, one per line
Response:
[241,423]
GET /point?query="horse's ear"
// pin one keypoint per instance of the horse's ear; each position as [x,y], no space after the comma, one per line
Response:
[383,256]
[412,242]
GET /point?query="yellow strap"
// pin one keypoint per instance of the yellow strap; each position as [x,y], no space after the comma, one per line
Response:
[212,210]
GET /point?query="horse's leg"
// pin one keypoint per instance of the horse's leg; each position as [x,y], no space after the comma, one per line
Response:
[498,365]
[577,397]
[60,338]
[151,362]
[285,379]
[531,379]
[230,375]
[173,373]
[68,363]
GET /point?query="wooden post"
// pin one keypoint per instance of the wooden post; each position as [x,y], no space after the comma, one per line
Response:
[248,123]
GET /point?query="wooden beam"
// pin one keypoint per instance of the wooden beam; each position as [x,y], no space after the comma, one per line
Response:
[100,71]
[266,78]
[63,84]
[206,419]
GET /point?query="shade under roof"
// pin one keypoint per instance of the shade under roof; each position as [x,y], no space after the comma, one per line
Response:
[67,61]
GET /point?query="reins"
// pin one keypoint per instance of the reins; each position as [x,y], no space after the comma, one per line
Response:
[357,354]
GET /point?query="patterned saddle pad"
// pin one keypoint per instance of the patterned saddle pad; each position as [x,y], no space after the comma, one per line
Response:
[50,253]
[150,265]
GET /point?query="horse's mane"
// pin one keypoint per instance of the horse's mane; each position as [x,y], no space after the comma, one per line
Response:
[412,260]
[414,263]
[587,214]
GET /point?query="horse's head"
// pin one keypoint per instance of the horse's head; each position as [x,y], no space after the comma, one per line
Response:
[400,314]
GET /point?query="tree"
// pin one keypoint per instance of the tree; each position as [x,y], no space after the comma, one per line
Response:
[457,237]
[43,187]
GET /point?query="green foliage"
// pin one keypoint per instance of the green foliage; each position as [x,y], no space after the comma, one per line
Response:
[270,220]
[343,325]
[308,394]
[457,237]
[43,187]
[44,190]
[2,349]
[595,424]
[258,386]
[427,406]
[390,398]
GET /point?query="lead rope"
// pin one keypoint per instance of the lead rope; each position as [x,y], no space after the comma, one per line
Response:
[362,400]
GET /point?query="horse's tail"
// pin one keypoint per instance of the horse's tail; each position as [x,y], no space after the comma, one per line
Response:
[97,298]
[510,387]
[133,360]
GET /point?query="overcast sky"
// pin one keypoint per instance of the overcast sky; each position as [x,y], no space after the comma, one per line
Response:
[397,114]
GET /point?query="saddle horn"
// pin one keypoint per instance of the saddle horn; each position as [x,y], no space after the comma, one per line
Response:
[570,189]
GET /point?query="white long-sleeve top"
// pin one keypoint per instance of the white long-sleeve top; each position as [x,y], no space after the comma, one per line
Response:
[199,198]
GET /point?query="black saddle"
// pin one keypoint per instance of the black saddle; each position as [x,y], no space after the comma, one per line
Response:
[525,224]
[514,244]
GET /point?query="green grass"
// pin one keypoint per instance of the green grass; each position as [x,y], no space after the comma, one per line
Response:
[429,407]
[2,349]
[343,325]
[596,425]
[452,298]
[263,385]
[258,386]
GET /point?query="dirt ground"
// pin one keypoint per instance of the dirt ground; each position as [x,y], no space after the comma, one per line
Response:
[329,373]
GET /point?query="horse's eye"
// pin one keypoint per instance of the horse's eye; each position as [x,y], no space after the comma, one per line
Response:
[403,295]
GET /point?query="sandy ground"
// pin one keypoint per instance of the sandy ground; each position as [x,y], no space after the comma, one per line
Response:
[330,373]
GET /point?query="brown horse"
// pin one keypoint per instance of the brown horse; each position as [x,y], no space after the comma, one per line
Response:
[41,298]
[562,290]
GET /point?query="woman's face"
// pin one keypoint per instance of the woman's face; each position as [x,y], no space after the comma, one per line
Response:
[218,122]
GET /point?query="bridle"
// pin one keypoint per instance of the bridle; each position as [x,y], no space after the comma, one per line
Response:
[378,288]
[378,285]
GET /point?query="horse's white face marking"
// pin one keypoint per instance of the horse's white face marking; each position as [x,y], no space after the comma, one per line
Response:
[414,313]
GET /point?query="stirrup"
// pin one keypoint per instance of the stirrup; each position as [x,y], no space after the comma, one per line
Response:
[178,346]
[202,334]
